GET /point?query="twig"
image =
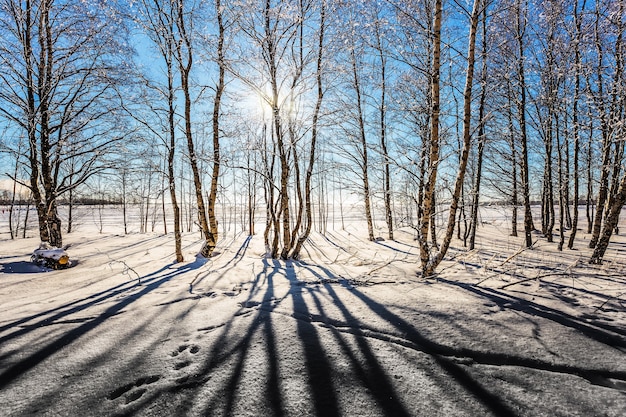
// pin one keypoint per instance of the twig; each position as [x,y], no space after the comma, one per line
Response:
[566,272]
[381,266]
[200,271]
[513,256]
[609,299]
[550,274]
[488,278]
[126,269]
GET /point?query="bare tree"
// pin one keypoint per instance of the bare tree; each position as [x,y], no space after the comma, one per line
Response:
[282,56]
[184,54]
[481,135]
[520,11]
[212,236]
[361,135]
[59,66]
[607,104]
[157,19]
[382,50]
[314,133]
[577,40]
[610,224]
[431,260]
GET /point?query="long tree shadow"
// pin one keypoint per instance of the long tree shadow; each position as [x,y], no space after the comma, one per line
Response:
[226,346]
[272,387]
[57,313]
[444,354]
[149,283]
[391,248]
[318,367]
[232,343]
[604,333]
[224,269]
[224,369]
[441,354]
[376,375]
[61,311]
[371,373]
[558,289]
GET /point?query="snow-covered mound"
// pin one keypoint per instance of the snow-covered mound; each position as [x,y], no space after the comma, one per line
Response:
[51,257]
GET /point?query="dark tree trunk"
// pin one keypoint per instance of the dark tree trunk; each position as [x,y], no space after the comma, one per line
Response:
[212,232]
[314,134]
[185,55]
[589,203]
[364,163]
[610,223]
[521,76]
[429,268]
[575,116]
[481,137]
[606,137]
[562,187]
[428,209]
[514,173]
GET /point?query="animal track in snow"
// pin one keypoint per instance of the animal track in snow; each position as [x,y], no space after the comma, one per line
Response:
[193,349]
[118,392]
[250,304]
[133,394]
[181,365]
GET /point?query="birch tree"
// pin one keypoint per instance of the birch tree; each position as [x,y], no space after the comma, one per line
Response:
[431,259]
[157,19]
[59,65]
[283,44]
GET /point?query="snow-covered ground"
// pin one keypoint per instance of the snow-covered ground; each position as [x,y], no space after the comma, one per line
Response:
[350,330]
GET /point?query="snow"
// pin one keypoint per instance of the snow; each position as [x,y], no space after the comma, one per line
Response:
[351,329]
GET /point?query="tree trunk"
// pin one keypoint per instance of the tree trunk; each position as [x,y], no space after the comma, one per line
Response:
[481,137]
[163,215]
[547,218]
[521,75]
[562,188]
[428,207]
[610,223]
[589,204]
[252,180]
[212,233]
[185,62]
[314,133]
[383,131]
[606,139]
[433,262]
[576,127]
[364,163]
[25,227]
[14,192]
[514,180]
[171,154]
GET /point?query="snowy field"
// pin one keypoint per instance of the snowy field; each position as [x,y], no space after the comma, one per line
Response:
[349,330]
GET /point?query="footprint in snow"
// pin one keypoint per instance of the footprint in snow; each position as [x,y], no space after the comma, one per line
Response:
[133,394]
[181,365]
[249,304]
[193,349]
[180,350]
